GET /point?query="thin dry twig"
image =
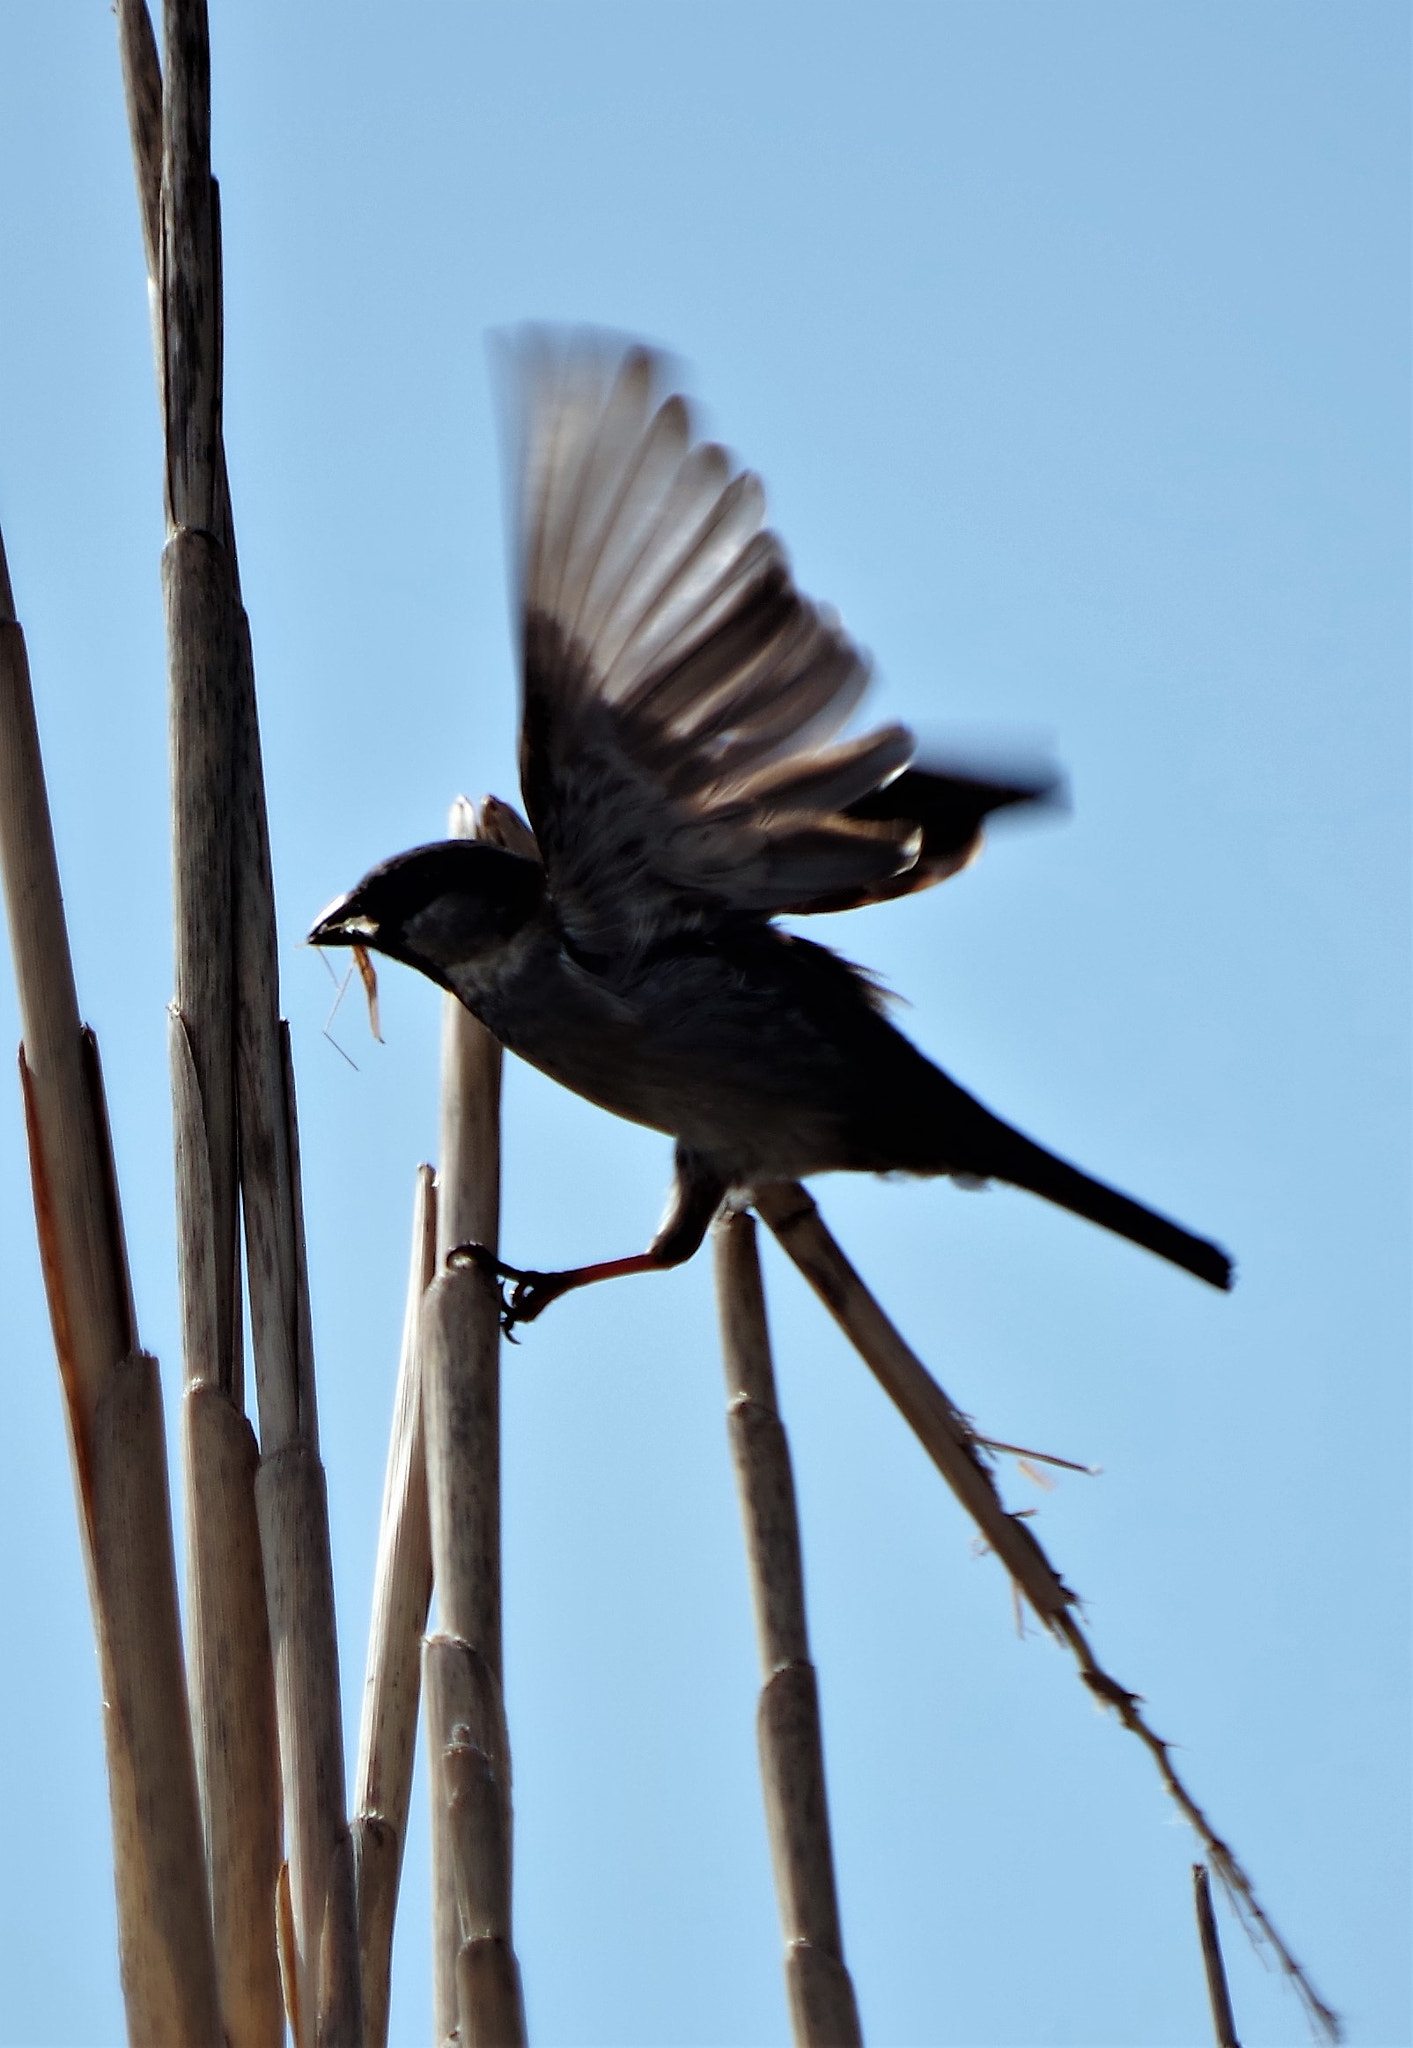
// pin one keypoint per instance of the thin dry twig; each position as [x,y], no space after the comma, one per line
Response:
[949,1441]
[476,1982]
[113,1406]
[822,2007]
[402,1591]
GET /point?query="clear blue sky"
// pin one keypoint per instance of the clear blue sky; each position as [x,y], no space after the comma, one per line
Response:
[1070,340]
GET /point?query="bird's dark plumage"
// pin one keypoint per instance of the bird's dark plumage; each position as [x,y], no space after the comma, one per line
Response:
[685,786]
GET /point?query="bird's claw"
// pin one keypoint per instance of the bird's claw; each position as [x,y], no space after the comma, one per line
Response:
[531,1293]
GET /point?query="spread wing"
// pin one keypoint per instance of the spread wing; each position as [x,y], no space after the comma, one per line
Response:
[681,697]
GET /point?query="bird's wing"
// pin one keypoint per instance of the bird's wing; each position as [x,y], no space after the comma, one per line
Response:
[948,802]
[681,696]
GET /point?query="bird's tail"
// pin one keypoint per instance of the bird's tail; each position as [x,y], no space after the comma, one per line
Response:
[1001,1153]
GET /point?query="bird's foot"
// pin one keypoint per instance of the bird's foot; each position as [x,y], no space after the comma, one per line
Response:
[531,1292]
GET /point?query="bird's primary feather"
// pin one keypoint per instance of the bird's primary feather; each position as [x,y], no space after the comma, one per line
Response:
[679,691]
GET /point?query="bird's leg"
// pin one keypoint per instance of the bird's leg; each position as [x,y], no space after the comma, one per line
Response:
[533,1291]
[697,1192]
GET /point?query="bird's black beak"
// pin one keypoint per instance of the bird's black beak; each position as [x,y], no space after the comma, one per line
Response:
[344,923]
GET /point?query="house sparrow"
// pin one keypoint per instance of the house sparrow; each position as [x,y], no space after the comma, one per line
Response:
[684,787]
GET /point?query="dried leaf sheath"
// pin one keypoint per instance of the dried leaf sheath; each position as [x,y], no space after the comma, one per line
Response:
[822,2008]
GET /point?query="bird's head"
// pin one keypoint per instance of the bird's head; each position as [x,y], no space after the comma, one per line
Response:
[437,906]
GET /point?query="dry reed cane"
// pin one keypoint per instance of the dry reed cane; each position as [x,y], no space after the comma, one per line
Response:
[113,1404]
[947,1437]
[402,1591]
[823,2012]
[476,1979]
[231,1669]
[231,1674]
[1215,1970]
[234,1075]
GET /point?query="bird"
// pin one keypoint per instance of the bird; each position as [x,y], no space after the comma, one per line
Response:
[685,786]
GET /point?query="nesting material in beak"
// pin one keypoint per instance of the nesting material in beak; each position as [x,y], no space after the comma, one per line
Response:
[368,975]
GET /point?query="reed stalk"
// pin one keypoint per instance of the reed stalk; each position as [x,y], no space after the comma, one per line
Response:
[402,1592]
[237,1150]
[476,1979]
[947,1437]
[112,1402]
[1215,1970]
[823,2012]
[263,1738]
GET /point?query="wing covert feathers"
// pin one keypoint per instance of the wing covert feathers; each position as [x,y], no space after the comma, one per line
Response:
[681,697]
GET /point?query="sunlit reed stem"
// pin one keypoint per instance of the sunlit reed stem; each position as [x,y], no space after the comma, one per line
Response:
[1218,1994]
[234,1104]
[476,1980]
[402,1590]
[822,2009]
[113,1406]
